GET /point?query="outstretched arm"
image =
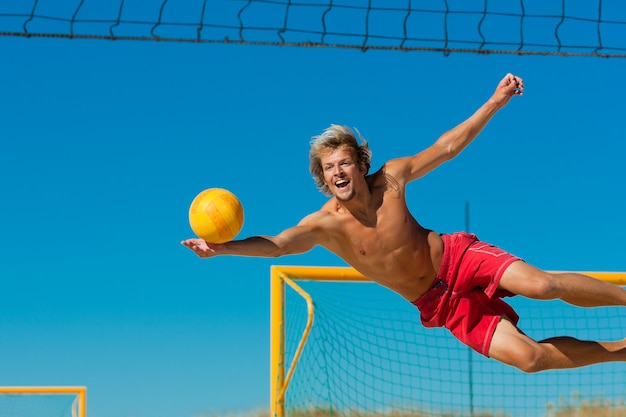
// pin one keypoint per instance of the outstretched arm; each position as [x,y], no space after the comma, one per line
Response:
[451,143]
[298,239]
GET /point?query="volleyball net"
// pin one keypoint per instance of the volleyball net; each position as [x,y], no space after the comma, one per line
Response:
[345,346]
[547,27]
[43,401]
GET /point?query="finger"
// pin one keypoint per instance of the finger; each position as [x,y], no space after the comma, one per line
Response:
[198,251]
[191,244]
[518,84]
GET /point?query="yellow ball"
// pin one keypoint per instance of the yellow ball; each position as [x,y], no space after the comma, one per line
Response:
[216,215]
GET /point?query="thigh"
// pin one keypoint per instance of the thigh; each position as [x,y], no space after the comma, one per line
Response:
[526,280]
[510,345]
[474,318]
[482,266]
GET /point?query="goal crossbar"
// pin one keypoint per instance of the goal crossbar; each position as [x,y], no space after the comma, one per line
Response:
[79,408]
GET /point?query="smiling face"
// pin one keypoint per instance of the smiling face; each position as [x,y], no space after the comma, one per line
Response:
[341,173]
[332,139]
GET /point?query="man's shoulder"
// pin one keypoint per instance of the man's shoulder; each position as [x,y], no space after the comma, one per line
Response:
[390,174]
[393,167]
[327,211]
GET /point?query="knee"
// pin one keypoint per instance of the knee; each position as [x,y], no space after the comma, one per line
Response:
[544,286]
[531,365]
[530,359]
[532,362]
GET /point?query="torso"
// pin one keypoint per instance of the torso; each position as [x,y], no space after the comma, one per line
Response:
[384,241]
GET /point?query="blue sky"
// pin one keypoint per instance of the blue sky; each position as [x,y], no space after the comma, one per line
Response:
[105,144]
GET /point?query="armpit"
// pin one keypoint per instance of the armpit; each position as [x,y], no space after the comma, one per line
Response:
[393,185]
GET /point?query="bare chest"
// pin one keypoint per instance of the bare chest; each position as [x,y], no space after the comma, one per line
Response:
[376,240]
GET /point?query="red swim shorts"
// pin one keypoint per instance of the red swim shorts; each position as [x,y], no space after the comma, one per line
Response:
[465,297]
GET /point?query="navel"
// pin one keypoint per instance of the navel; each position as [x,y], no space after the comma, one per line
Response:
[362,252]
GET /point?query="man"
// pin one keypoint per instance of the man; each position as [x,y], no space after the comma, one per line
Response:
[455,280]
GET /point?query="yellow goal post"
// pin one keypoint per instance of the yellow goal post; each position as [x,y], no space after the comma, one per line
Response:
[297,365]
[23,400]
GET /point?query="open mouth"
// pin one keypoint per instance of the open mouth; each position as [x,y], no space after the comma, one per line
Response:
[342,183]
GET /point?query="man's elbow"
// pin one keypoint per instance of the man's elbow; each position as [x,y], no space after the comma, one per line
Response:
[447,151]
[277,253]
[452,152]
[279,250]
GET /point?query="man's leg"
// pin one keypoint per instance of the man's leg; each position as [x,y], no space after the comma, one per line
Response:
[577,289]
[512,347]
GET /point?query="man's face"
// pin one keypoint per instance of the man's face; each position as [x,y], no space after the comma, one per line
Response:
[340,173]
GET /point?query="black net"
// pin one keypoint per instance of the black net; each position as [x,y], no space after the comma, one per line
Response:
[547,27]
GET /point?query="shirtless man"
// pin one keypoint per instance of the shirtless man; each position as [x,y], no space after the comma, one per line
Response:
[454,280]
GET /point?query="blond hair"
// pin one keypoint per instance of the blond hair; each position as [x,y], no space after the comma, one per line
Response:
[332,138]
